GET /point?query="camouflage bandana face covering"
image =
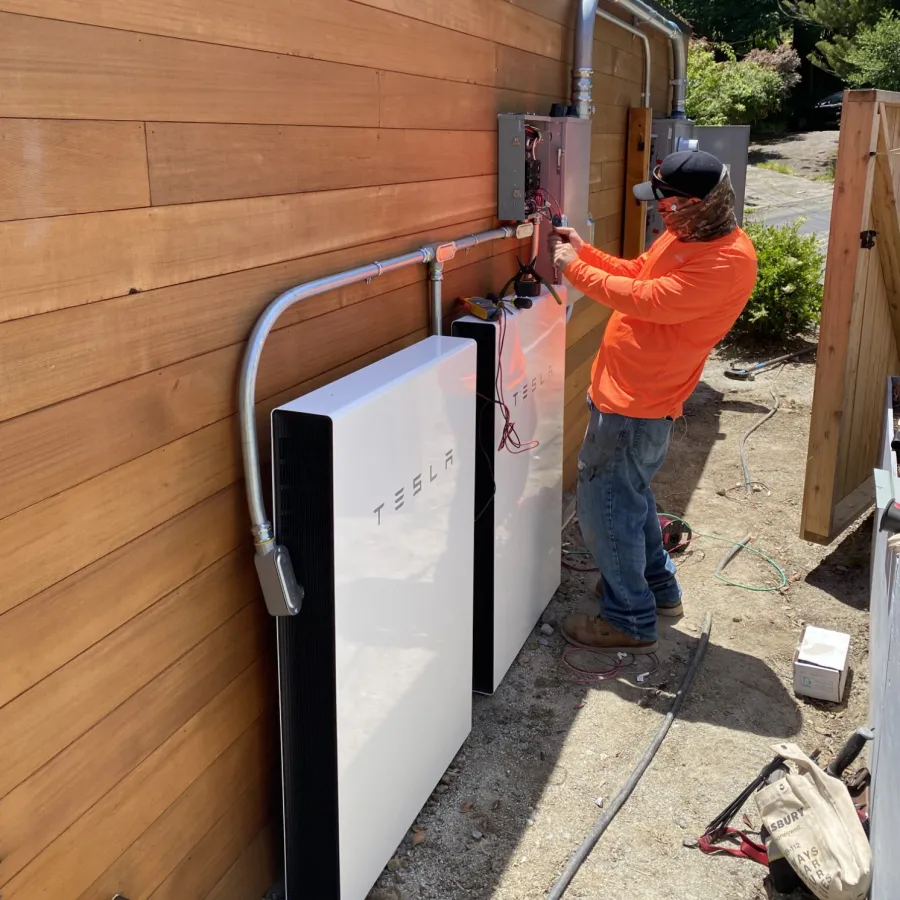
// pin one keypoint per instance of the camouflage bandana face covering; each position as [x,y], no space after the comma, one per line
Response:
[713,217]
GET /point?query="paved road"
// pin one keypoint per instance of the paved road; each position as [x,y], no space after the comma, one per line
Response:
[779,199]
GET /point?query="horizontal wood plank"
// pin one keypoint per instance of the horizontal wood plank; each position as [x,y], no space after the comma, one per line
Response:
[337,31]
[609,119]
[589,318]
[452,105]
[494,21]
[113,425]
[625,62]
[74,698]
[608,202]
[615,91]
[68,352]
[608,148]
[194,163]
[54,263]
[522,71]
[39,810]
[609,230]
[86,849]
[578,378]
[39,636]
[199,872]
[59,70]
[607,175]
[560,11]
[253,872]
[170,840]
[57,168]
[85,523]
[129,500]
[575,427]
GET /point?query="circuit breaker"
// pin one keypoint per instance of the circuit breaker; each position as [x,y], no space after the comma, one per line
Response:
[544,165]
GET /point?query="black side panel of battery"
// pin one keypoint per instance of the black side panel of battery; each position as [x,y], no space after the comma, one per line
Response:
[485,337]
[304,524]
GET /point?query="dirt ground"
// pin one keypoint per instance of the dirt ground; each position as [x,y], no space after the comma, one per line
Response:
[805,153]
[547,748]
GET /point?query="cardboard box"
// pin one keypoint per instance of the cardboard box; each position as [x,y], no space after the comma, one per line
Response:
[821,664]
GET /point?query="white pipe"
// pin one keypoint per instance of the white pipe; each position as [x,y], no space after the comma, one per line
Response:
[615,20]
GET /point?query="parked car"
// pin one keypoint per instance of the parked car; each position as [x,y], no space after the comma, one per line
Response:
[824,113]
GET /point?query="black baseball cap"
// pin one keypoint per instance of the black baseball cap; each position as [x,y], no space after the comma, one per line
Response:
[688,173]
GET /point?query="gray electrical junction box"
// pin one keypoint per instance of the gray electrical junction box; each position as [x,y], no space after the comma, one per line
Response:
[544,165]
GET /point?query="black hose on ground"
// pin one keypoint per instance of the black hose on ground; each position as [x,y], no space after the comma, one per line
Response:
[571,870]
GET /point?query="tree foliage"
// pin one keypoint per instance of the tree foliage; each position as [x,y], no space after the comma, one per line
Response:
[784,60]
[730,92]
[741,23]
[841,21]
[874,58]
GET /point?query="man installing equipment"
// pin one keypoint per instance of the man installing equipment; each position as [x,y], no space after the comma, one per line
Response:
[671,306]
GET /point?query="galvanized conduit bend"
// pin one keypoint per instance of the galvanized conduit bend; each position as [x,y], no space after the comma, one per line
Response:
[678,39]
[615,20]
[271,565]
[582,69]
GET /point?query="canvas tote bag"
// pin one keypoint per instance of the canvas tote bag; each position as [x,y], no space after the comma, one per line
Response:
[812,819]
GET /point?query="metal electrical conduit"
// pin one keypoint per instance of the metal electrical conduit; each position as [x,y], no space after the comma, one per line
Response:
[282,593]
[615,20]
[582,69]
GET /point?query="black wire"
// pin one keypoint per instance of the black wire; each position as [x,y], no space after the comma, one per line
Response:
[621,798]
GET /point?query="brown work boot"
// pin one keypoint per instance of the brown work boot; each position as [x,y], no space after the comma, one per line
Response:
[595,633]
[672,612]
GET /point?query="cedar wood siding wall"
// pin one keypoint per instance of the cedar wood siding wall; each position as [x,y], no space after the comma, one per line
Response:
[166,168]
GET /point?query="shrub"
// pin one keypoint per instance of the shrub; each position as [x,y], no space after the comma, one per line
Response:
[783,60]
[787,298]
[729,92]
[875,57]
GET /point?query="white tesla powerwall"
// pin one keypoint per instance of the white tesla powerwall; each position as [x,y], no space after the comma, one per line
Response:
[374,483]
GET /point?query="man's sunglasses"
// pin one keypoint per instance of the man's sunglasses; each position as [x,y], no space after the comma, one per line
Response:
[662,190]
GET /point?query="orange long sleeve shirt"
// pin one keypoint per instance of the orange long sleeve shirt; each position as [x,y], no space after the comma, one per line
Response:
[671,306]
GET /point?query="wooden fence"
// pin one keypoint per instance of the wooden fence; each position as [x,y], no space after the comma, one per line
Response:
[860,330]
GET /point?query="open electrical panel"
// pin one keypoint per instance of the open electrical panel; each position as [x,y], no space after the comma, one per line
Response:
[543,174]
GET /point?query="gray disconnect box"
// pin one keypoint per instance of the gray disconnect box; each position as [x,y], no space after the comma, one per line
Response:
[544,166]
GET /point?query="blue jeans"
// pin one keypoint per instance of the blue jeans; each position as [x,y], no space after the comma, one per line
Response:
[618,518]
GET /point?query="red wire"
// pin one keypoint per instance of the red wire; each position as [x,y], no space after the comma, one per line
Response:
[509,439]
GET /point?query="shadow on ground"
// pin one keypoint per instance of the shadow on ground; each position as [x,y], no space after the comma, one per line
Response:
[844,573]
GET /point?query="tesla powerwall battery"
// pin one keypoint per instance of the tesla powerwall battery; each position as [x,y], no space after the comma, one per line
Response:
[518,490]
[374,480]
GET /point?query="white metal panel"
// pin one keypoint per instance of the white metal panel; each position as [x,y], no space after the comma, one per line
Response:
[528,485]
[403,457]
[884,667]
[528,502]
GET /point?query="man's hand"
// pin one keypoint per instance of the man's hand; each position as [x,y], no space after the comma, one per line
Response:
[563,254]
[565,235]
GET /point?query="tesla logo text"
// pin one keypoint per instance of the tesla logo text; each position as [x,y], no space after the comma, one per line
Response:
[405,493]
[527,388]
